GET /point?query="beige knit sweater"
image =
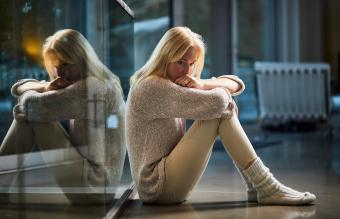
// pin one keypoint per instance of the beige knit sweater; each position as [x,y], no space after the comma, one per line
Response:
[155,113]
[95,112]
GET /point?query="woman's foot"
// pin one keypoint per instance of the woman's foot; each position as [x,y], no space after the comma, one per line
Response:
[270,191]
[287,196]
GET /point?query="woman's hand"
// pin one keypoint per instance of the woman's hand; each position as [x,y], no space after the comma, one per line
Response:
[56,84]
[18,113]
[190,81]
[234,107]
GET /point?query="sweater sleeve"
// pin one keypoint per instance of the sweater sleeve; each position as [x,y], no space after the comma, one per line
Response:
[161,98]
[62,104]
[236,79]
[14,89]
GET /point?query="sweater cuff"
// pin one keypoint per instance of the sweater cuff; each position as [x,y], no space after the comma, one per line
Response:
[19,83]
[236,79]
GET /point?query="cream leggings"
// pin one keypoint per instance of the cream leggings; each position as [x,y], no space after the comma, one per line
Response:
[21,138]
[185,165]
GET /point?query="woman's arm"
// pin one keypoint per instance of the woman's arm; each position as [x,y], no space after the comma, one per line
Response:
[230,82]
[227,83]
[61,104]
[161,98]
[31,85]
[24,85]
[39,86]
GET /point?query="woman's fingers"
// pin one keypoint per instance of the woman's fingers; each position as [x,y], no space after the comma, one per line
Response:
[184,80]
[191,84]
[189,81]
[180,80]
[59,83]
[195,83]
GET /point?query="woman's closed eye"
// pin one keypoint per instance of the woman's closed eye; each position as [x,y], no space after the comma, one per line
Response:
[184,63]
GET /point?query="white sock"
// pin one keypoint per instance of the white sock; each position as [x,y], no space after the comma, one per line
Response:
[251,191]
[271,191]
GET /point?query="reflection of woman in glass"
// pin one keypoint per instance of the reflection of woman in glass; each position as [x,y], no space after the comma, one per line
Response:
[166,161]
[87,95]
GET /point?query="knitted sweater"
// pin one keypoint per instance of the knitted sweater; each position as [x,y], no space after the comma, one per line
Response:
[155,117]
[95,112]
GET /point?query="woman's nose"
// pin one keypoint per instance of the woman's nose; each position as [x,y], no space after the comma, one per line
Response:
[60,72]
[186,69]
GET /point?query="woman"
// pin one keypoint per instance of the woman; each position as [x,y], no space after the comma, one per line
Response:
[166,161]
[85,93]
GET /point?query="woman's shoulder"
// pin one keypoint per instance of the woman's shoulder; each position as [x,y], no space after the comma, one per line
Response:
[152,83]
[94,83]
[91,80]
[146,88]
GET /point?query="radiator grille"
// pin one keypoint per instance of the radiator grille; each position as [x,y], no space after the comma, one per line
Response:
[293,91]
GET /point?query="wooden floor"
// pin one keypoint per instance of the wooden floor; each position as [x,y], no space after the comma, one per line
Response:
[305,161]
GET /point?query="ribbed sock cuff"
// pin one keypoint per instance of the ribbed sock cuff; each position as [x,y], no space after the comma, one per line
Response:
[263,180]
[256,171]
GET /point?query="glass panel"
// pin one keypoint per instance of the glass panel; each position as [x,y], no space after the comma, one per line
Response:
[202,25]
[122,51]
[151,22]
[64,141]
[121,45]
[255,25]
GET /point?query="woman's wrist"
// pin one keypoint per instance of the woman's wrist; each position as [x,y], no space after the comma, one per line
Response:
[204,85]
[41,87]
[207,85]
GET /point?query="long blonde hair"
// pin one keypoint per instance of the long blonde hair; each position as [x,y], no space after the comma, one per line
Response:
[72,47]
[171,48]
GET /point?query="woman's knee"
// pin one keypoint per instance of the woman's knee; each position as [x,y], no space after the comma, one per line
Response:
[209,123]
[44,124]
[33,124]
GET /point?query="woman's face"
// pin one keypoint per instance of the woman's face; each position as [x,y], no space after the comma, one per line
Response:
[68,72]
[183,66]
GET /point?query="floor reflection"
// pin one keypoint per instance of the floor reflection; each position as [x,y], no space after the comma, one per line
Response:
[53,211]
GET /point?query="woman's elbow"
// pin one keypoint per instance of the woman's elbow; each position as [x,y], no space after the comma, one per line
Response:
[221,103]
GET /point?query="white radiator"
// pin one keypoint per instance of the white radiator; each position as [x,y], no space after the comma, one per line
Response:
[293,91]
